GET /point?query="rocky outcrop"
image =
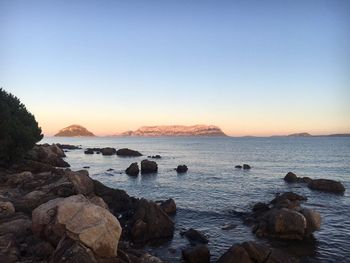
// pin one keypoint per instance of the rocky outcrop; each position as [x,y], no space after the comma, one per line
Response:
[74,131]
[284,218]
[68,146]
[133,170]
[148,167]
[251,252]
[176,130]
[168,206]
[327,185]
[125,152]
[181,169]
[195,237]
[48,154]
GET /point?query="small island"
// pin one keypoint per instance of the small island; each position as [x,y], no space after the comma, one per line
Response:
[74,131]
[175,130]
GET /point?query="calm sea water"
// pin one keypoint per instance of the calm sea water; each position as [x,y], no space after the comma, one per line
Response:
[212,191]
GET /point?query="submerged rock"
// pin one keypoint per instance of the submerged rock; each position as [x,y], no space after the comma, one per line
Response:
[197,254]
[148,167]
[181,169]
[251,252]
[239,166]
[125,152]
[327,185]
[133,169]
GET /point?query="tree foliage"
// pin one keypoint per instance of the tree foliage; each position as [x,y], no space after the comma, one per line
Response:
[19,130]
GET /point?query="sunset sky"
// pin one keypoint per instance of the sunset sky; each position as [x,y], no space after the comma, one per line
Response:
[250,67]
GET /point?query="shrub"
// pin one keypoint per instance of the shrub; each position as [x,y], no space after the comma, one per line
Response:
[19,130]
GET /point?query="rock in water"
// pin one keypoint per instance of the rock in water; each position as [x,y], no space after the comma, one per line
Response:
[125,152]
[148,167]
[74,131]
[197,254]
[168,206]
[181,169]
[327,185]
[108,151]
[290,177]
[195,236]
[246,166]
[89,151]
[133,169]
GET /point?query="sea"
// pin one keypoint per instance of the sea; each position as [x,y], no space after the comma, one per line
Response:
[213,193]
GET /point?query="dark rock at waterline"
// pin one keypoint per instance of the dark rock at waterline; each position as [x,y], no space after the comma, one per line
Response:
[197,254]
[229,226]
[125,152]
[290,177]
[168,206]
[327,185]
[195,236]
[251,252]
[132,170]
[150,223]
[284,218]
[108,151]
[246,166]
[89,151]
[86,167]
[155,156]
[110,170]
[48,154]
[239,166]
[181,169]
[68,146]
[148,167]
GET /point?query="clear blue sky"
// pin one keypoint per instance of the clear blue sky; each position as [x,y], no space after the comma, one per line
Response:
[251,67]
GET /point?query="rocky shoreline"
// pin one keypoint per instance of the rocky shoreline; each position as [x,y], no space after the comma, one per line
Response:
[49,213]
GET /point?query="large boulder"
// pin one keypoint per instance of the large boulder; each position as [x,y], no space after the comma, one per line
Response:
[80,220]
[49,154]
[197,254]
[150,223]
[133,169]
[83,184]
[327,185]
[168,206]
[313,219]
[108,151]
[148,167]
[125,152]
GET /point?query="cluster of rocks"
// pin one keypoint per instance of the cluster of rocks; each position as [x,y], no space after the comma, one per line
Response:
[68,147]
[124,152]
[48,214]
[284,218]
[325,185]
[147,167]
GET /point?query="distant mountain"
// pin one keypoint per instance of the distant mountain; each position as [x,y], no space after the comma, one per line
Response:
[175,130]
[74,131]
[335,135]
[301,134]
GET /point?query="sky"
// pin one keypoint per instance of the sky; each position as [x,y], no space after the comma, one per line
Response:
[251,67]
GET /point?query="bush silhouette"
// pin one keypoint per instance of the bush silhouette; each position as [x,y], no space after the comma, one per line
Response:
[19,130]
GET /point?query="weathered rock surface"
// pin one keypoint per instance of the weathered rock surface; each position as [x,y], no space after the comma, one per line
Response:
[327,185]
[148,167]
[80,220]
[125,152]
[181,169]
[251,252]
[197,254]
[48,154]
[133,169]
[168,206]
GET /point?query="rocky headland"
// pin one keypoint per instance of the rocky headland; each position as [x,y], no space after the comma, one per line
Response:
[175,130]
[74,131]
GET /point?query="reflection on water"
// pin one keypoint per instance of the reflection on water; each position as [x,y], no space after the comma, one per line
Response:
[213,193]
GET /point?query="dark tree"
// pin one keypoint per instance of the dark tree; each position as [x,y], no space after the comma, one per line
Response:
[19,130]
